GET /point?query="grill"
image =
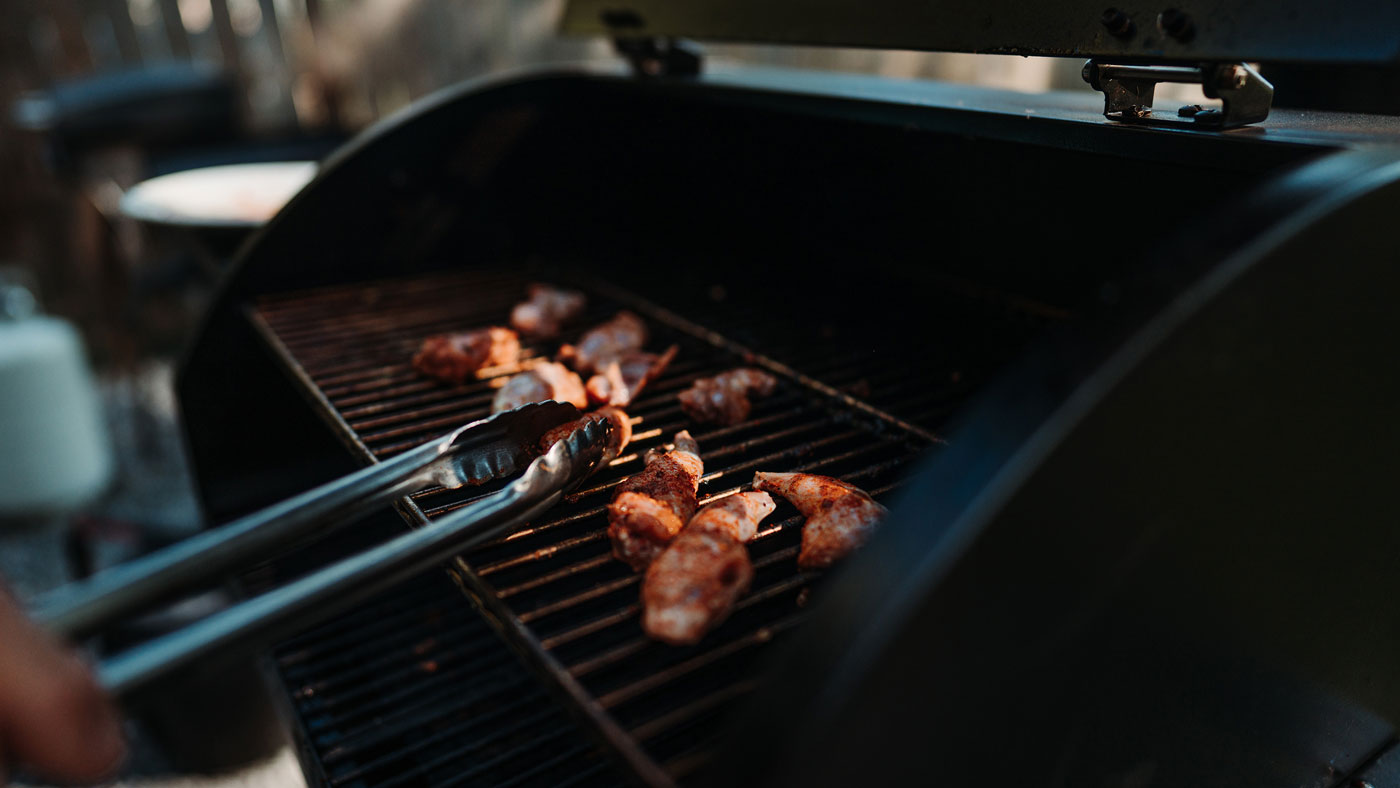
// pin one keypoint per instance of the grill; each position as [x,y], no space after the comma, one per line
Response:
[1108,322]
[553,586]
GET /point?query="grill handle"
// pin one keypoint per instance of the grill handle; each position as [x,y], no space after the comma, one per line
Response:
[256,622]
[483,450]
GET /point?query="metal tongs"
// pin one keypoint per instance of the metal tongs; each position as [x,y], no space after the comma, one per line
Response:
[485,450]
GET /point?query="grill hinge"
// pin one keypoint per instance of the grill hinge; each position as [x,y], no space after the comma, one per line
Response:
[661,56]
[1244,95]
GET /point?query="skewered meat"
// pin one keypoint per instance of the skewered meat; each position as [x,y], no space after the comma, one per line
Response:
[623,379]
[724,398]
[693,585]
[839,517]
[614,339]
[452,358]
[649,509]
[620,437]
[537,384]
[547,308]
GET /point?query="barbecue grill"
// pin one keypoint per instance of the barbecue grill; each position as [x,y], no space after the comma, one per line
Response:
[1124,382]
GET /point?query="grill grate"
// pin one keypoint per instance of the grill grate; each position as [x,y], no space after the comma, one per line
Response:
[553,585]
[413,688]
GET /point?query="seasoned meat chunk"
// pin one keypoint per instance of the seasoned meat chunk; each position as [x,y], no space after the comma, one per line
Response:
[623,379]
[693,585]
[612,340]
[621,431]
[840,517]
[649,508]
[540,383]
[546,309]
[452,358]
[724,398]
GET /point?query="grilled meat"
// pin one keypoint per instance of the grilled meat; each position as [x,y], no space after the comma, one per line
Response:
[624,333]
[547,308]
[724,398]
[693,585]
[624,378]
[620,437]
[452,358]
[839,517]
[649,509]
[540,383]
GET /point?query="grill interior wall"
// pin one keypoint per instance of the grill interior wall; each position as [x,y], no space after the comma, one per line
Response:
[579,608]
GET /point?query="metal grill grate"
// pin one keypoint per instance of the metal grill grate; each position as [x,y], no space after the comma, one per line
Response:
[553,586]
[414,689]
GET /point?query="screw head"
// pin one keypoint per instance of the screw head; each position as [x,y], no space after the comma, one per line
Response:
[1117,22]
[1177,24]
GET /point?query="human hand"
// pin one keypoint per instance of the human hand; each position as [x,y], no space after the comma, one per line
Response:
[54,718]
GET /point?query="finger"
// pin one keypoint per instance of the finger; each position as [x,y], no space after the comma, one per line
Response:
[54,718]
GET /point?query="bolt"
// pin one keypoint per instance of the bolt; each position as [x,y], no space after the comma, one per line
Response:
[1177,24]
[1117,22]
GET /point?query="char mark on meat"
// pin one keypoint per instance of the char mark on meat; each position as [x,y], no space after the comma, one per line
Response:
[650,508]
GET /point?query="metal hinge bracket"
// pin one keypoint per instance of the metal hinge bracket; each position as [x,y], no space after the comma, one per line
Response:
[661,56]
[1127,91]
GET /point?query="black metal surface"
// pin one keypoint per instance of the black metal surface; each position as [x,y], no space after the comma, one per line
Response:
[1219,30]
[553,587]
[1102,580]
[1382,772]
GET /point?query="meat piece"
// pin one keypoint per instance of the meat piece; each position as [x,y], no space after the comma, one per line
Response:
[623,379]
[621,432]
[839,517]
[540,383]
[614,339]
[547,308]
[452,358]
[649,509]
[724,398]
[693,585]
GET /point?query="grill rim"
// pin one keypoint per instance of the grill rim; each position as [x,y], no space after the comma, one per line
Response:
[513,631]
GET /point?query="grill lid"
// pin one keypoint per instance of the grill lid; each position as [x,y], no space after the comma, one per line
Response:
[1298,31]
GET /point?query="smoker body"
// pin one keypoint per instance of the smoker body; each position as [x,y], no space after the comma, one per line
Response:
[1156,544]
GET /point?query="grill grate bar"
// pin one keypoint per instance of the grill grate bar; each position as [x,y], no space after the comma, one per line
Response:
[602,589]
[754,597]
[381,687]
[710,703]
[532,748]
[457,732]
[457,642]
[545,579]
[379,730]
[685,765]
[477,745]
[413,702]
[335,635]
[596,625]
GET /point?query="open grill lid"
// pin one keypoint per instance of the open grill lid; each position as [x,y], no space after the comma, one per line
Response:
[1297,31]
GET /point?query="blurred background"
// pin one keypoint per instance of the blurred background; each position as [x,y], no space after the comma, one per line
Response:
[111,247]
[101,94]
